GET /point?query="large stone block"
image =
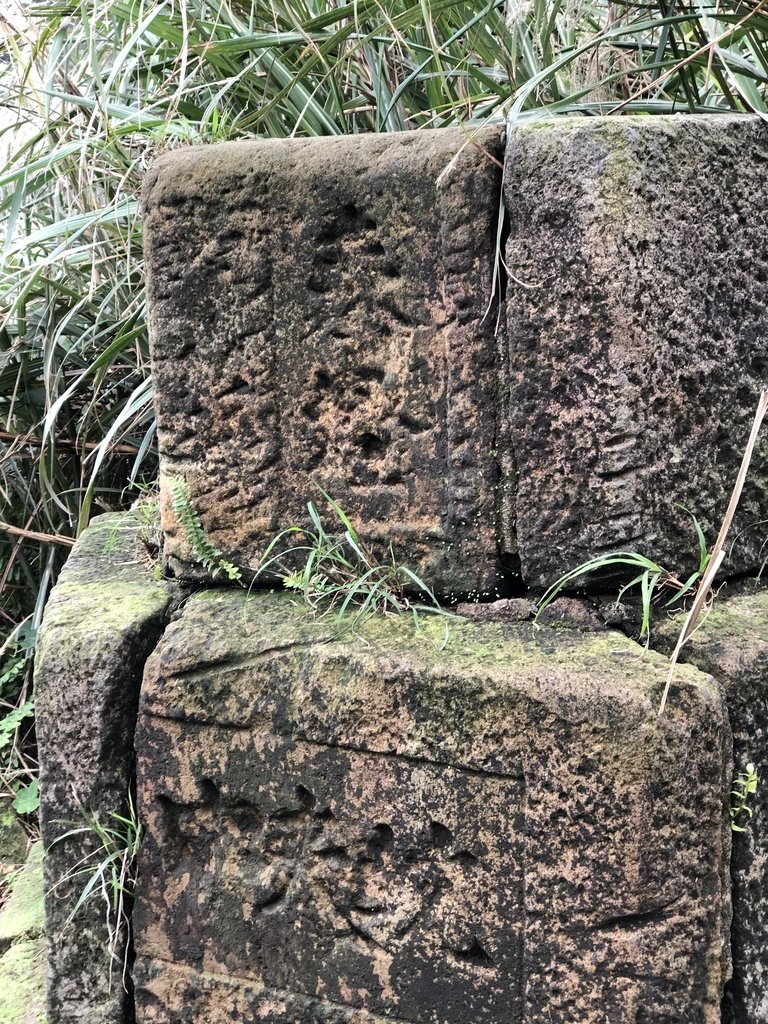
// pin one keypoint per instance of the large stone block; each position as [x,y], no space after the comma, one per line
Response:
[321,312]
[638,334]
[386,827]
[103,618]
[732,645]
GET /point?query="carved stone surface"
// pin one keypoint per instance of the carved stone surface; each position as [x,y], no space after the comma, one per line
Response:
[732,645]
[103,618]
[638,334]
[383,827]
[321,312]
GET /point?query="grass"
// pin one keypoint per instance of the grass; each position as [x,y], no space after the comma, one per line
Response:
[652,579]
[93,90]
[339,573]
[109,874]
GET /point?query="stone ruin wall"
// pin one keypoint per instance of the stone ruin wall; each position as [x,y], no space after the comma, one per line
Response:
[492,828]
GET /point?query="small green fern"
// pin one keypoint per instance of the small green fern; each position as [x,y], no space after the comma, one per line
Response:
[204,552]
[744,787]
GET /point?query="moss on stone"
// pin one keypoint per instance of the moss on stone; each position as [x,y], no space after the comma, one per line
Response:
[22,964]
[22,916]
[22,983]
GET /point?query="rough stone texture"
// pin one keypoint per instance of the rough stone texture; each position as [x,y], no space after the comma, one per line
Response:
[508,609]
[320,311]
[495,830]
[638,333]
[732,645]
[102,620]
[22,916]
[22,948]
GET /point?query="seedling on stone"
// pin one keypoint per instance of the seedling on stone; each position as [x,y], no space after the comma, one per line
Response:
[744,787]
[204,552]
[341,574]
[652,579]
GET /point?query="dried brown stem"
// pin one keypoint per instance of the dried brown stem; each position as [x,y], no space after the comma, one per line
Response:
[718,551]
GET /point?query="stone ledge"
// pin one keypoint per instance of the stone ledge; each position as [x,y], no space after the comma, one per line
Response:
[383,824]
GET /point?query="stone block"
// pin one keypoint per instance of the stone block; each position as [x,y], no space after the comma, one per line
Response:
[321,312]
[637,312]
[102,619]
[390,825]
[732,645]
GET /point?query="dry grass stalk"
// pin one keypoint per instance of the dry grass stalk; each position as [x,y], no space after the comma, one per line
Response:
[703,591]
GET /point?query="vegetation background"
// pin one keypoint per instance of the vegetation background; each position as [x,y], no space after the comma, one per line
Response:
[93,91]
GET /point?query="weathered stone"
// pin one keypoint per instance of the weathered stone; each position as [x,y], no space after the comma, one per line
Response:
[21,969]
[637,310]
[507,609]
[493,828]
[22,916]
[22,949]
[732,645]
[321,312]
[103,618]
[572,613]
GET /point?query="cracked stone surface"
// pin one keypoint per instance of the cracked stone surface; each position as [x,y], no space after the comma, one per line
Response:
[379,827]
[102,619]
[637,313]
[321,313]
[732,646]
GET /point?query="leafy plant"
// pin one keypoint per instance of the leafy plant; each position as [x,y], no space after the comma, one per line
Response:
[341,574]
[203,551]
[18,768]
[744,788]
[109,872]
[651,578]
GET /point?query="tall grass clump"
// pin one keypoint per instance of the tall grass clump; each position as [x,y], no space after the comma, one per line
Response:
[92,91]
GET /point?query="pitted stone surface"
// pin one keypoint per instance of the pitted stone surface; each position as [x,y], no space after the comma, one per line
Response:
[321,312]
[732,645]
[103,618]
[638,334]
[381,827]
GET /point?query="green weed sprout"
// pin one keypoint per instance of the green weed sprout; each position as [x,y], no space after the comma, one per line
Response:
[744,787]
[649,576]
[341,574]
